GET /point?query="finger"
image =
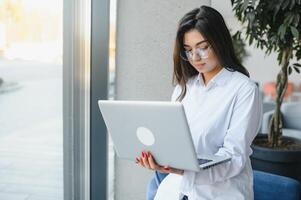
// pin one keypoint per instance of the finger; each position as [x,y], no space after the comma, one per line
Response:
[141,162]
[152,162]
[145,160]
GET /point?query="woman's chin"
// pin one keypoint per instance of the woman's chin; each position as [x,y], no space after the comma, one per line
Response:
[201,69]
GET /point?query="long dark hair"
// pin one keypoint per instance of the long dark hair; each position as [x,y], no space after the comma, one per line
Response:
[210,23]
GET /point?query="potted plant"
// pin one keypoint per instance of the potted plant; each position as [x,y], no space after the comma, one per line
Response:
[275,26]
[239,46]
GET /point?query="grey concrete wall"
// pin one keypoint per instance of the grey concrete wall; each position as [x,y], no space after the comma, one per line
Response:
[144,47]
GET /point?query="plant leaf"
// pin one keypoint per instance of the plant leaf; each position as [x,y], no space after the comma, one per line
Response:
[297,64]
[296,19]
[292,4]
[295,32]
[285,4]
[290,70]
[277,8]
[245,5]
[281,31]
[298,54]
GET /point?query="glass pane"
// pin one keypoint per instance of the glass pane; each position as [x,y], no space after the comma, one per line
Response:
[111,94]
[31,146]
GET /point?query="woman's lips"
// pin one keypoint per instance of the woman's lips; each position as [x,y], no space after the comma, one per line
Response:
[200,64]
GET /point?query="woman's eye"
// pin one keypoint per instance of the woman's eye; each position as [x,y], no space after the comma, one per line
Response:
[204,47]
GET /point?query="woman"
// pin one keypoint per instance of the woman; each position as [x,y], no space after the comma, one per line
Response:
[222,107]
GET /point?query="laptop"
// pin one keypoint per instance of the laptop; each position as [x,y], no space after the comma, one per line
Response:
[160,127]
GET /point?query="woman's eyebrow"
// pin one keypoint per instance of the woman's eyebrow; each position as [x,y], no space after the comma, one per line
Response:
[185,45]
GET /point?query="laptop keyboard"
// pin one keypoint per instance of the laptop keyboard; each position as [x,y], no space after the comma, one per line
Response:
[203,161]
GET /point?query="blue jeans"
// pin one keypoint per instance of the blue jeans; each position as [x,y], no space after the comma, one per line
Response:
[154,184]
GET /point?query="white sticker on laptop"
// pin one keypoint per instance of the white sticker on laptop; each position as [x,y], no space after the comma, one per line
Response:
[145,136]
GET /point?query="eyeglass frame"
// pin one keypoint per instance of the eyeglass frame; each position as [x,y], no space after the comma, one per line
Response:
[202,57]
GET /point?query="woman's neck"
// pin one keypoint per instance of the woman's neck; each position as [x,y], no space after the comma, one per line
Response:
[207,76]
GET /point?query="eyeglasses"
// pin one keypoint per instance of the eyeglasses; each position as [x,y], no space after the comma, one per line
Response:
[201,52]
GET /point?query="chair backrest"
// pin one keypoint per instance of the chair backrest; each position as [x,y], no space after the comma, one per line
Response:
[271,187]
[291,115]
[268,106]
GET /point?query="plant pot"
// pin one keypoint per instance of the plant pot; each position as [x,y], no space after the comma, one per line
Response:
[277,161]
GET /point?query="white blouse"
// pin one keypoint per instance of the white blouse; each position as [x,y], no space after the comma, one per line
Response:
[224,117]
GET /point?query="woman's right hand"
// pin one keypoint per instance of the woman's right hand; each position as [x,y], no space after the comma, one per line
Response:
[147,160]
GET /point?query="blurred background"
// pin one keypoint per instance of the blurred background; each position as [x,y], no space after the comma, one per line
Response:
[31,148]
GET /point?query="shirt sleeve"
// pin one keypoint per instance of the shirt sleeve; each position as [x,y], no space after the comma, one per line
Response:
[243,127]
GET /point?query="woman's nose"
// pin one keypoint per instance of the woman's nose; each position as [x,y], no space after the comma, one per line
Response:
[195,57]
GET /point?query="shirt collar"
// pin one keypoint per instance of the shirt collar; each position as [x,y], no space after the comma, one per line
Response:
[219,79]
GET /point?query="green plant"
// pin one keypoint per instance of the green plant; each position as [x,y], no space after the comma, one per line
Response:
[274,25]
[239,46]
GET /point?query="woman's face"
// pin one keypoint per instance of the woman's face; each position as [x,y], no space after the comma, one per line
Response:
[198,52]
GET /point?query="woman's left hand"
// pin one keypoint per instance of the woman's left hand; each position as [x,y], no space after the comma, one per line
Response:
[147,160]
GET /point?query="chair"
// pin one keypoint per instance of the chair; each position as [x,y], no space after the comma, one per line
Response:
[269,186]
[266,107]
[291,112]
[266,186]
